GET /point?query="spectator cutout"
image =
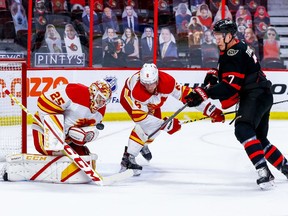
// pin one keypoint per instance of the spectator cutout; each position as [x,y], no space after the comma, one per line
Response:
[195,32]
[251,40]
[147,44]
[241,31]
[168,47]
[182,16]
[243,17]
[261,21]
[86,20]
[218,15]
[271,44]
[131,43]
[195,4]
[59,5]
[19,16]
[252,5]
[72,41]
[130,19]
[53,39]
[113,50]
[40,16]
[209,49]
[204,15]
[109,20]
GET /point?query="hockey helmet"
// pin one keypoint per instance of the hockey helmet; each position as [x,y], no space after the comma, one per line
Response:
[100,94]
[149,73]
[225,26]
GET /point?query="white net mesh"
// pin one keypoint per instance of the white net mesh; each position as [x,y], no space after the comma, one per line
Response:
[10,113]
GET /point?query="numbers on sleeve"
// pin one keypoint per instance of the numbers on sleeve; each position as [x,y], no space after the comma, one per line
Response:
[56,96]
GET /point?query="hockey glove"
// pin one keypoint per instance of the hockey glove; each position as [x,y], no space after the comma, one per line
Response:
[211,77]
[81,135]
[172,126]
[214,113]
[196,97]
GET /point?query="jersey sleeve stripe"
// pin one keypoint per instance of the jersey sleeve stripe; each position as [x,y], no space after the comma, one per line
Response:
[135,138]
[127,97]
[236,74]
[138,115]
[236,86]
[47,106]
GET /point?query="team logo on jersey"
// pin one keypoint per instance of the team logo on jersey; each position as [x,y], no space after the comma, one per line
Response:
[113,82]
[232,52]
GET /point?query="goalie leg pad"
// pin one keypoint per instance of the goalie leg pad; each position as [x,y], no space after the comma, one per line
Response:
[42,168]
[55,123]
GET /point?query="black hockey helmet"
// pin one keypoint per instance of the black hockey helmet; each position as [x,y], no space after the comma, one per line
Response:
[225,26]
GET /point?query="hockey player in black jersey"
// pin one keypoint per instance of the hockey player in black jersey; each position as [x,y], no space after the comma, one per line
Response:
[240,80]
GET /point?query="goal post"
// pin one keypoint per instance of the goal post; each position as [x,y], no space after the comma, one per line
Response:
[13,120]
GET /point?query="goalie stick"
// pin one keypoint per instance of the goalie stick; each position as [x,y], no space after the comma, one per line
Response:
[79,162]
[168,120]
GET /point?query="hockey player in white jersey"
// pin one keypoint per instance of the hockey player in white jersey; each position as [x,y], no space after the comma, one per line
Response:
[74,111]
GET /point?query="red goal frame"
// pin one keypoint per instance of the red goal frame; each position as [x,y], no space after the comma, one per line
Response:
[23,77]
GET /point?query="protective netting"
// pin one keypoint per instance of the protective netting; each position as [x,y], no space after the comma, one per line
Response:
[10,113]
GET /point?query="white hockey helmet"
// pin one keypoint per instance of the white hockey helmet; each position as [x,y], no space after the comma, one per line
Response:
[149,73]
[100,94]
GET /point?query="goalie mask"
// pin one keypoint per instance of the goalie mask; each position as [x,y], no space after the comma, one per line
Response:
[100,94]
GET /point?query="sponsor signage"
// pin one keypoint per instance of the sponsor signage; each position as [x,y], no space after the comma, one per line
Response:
[58,60]
[11,55]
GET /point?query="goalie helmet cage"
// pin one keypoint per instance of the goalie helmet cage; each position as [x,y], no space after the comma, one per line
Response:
[13,120]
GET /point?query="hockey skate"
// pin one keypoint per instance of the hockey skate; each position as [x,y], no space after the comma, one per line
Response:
[284,170]
[129,162]
[266,179]
[146,153]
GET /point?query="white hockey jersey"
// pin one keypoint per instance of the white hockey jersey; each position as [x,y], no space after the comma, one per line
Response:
[73,101]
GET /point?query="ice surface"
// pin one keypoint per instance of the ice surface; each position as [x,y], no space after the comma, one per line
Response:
[201,170]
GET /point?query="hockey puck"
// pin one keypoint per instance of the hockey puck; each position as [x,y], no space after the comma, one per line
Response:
[100,126]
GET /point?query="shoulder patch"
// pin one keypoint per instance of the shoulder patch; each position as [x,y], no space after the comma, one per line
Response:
[232,52]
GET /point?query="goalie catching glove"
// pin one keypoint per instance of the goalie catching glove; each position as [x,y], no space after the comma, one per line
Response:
[172,126]
[80,136]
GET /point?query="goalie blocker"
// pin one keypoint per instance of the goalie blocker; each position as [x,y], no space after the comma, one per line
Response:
[44,168]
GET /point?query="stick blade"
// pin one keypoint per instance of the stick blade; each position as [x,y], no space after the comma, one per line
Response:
[109,180]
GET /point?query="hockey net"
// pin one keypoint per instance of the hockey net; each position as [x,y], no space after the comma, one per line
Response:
[13,121]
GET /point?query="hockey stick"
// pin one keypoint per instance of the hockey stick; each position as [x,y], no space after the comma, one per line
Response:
[79,162]
[283,101]
[168,120]
[206,117]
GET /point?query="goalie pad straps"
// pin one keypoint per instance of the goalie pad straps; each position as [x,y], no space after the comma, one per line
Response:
[57,123]
[43,168]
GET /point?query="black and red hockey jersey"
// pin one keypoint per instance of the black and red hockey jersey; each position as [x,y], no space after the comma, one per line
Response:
[238,67]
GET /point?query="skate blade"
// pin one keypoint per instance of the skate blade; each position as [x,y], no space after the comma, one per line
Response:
[136,172]
[267,185]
